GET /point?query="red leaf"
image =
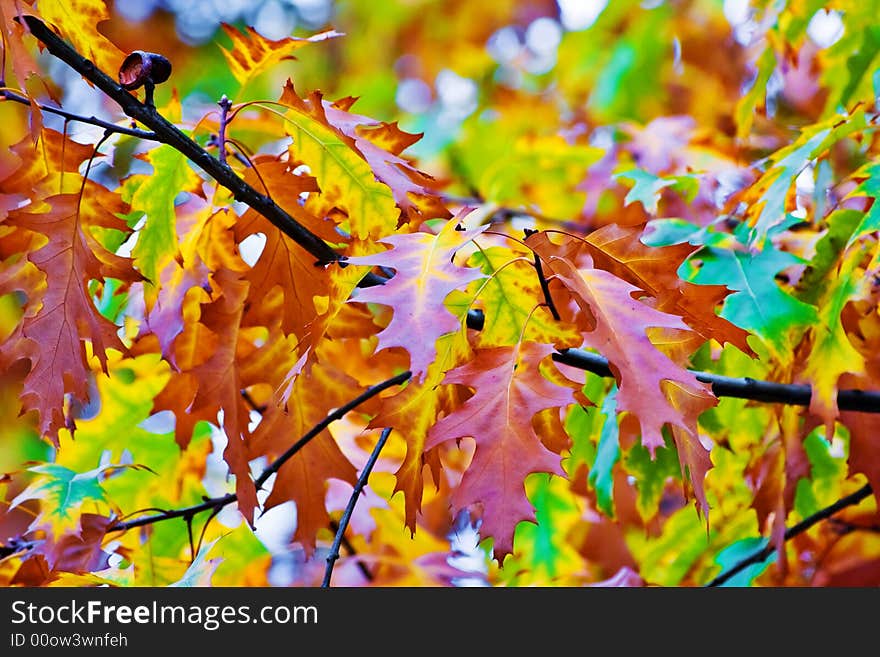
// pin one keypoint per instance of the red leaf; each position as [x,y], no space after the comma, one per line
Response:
[653,387]
[509,392]
[619,250]
[52,337]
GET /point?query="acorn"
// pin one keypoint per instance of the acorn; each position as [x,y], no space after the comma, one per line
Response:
[144,69]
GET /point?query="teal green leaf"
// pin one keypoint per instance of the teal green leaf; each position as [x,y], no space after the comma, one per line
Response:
[647,187]
[737,552]
[607,454]
[62,493]
[758,304]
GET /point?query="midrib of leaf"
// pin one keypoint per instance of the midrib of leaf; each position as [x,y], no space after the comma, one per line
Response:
[368,197]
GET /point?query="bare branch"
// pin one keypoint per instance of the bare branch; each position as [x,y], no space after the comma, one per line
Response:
[823,514]
[349,508]
[215,503]
[741,387]
[8,94]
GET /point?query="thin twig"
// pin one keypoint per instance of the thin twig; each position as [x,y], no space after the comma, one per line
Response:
[545,287]
[334,526]
[225,105]
[349,508]
[229,498]
[8,94]
[823,514]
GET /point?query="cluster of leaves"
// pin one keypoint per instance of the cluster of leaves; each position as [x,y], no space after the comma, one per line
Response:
[651,198]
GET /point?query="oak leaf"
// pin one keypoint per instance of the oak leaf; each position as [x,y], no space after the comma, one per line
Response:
[509,392]
[52,337]
[426,275]
[346,180]
[252,53]
[652,386]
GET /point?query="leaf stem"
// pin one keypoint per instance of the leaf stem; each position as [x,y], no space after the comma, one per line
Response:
[349,508]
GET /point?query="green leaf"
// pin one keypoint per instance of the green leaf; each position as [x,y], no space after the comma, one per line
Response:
[860,62]
[667,559]
[541,546]
[345,178]
[828,471]
[651,475]
[868,188]
[758,304]
[735,553]
[754,97]
[647,187]
[788,162]
[154,194]
[509,298]
[607,454]
[62,493]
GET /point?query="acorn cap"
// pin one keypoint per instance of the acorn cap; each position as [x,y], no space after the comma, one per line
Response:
[141,67]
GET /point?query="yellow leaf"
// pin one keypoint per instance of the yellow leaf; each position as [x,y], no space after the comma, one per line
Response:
[77,21]
[345,178]
[252,53]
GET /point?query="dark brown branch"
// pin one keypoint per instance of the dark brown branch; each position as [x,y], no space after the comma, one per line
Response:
[169,134]
[219,502]
[741,387]
[349,508]
[823,514]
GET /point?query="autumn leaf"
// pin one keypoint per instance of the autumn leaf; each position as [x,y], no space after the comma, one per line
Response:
[155,194]
[656,389]
[381,144]
[70,258]
[252,54]
[425,275]
[758,304]
[63,492]
[619,250]
[78,21]
[413,412]
[304,479]
[344,177]
[509,391]
[513,303]
[201,570]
